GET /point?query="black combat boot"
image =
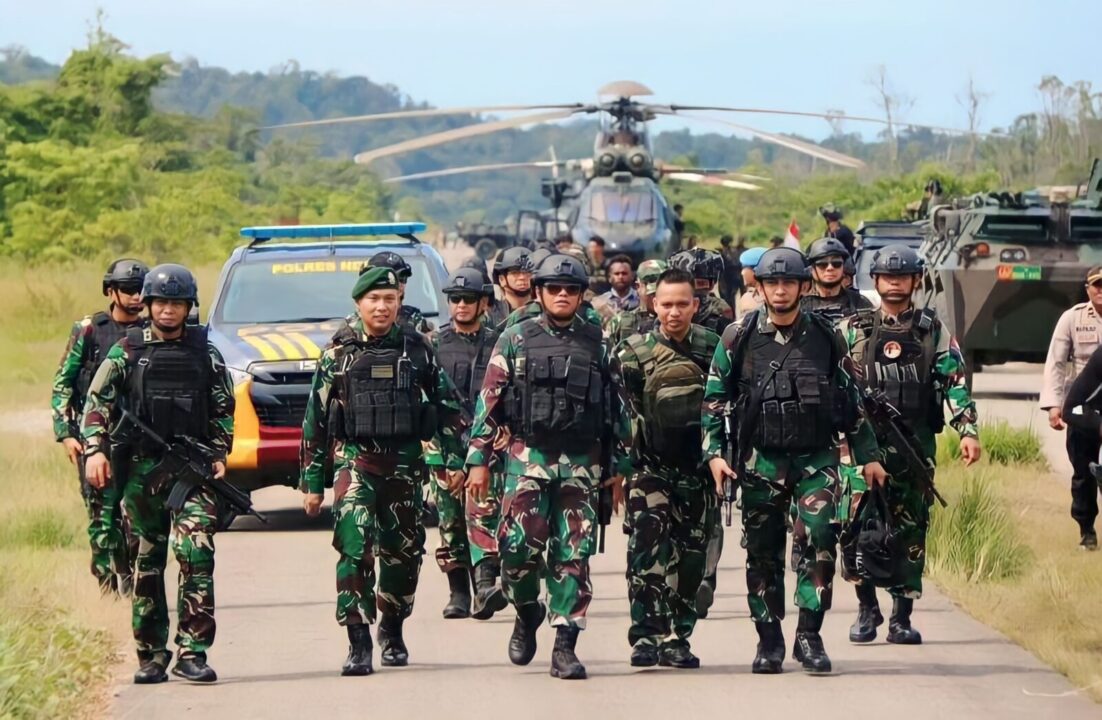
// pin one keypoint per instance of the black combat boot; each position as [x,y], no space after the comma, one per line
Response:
[195,669]
[489,597]
[770,657]
[1088,540]
[676,654]
[522,643]
[809,648]
[900,631]
[564,663]
[459,604]
[644,653]
[152,670]
[869,616]
[391,645]
[359,651]
[705,596]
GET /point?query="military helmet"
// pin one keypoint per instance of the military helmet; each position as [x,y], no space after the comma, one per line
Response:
[561,268]
[830,211]
[578,253]
[702,264]
[782,263]
[478,264]
[468,280]
[539,255]
[825,247]
[514,258]
[849,267]
[170,282]
[896,260]
[124,271]
[394,261]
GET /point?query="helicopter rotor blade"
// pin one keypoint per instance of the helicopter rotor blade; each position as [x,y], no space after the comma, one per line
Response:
[667,169]
[424,112]
[468,131]
[703,179]
[554,165]
[815,151]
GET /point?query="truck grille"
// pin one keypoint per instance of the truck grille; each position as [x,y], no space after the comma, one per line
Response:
[286,413]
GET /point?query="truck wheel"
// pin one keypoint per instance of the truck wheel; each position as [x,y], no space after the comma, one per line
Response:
[485,248]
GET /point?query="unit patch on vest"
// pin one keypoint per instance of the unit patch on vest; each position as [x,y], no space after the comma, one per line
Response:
[892,350]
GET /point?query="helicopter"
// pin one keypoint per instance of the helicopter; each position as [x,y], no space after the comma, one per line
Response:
[617,196]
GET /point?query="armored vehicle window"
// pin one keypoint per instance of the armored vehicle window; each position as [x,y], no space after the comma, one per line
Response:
[1019,229]
[314,289]
[613,205]
[1087,229]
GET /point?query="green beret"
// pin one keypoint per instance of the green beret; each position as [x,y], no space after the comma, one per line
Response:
[374,278]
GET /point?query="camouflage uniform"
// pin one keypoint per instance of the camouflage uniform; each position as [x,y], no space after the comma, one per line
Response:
[775,479]
[909,507]
[549,504]
[377,491]
[669,501]
[714,313]
[113,547]
[624,324]
[192,529]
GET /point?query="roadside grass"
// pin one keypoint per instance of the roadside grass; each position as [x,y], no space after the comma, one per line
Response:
[1006,551]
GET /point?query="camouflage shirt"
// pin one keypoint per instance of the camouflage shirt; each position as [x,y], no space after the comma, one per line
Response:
[723,387]
[110,382]
[316,439]
[714,313]
[520,458]
[533,310]
[947,372]
[629,322]
[66,405]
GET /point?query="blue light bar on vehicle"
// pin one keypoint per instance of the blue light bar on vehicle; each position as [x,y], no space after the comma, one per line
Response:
[328,232]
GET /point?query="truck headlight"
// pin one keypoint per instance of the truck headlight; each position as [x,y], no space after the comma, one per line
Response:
[238,376]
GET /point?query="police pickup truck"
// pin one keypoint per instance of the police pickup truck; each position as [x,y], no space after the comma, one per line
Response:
[280,298]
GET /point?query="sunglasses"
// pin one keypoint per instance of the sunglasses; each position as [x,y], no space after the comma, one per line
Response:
[463,299]
[1096,284]
[824,264]
[570,290]
[129,289]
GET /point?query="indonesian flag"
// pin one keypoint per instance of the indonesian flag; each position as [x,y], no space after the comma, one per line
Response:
[792,235]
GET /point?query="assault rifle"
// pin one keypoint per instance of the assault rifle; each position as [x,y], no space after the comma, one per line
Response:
[888,423]
[604,492]
[730,455]
[190,462]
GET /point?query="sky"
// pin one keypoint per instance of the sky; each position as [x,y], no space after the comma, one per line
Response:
[791,54]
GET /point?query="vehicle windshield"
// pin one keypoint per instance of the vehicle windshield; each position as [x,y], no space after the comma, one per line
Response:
[260,291]
[612,205]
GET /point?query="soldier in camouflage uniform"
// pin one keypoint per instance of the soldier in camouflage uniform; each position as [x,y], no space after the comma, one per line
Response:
[113,547]
[706,266]
[407,314]
[640,320]
[378,392]
[174,380]
[782,373]
[829,295]
[912,356]
[463,349]
[549,383]
[534,309]
[513,275]
[669,498]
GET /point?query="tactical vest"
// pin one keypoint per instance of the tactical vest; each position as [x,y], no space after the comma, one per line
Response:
[105,333]
[558,399]
[673,393]
[899,360]
[835,308]
[464,360]
[170,381]
[800,408]
[382,390]
[633,322]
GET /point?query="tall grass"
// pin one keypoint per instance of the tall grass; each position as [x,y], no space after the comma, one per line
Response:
[1003,444]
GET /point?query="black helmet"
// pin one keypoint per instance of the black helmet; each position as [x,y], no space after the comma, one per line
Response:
[830,211]
[896,260]
[934,186]
[702,264]
[124,271]
[561,268]
[848,267]
[170,282]
[394,261]
[538,256]
[513,258]
[825,247]
[476,263]
[782,263]
[468,280]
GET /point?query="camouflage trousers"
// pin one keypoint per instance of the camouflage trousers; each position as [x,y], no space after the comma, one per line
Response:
[376,515]
[113,546]
[455,549]
[549,527]
[192,530]
[671,521]
[483,520]
[910,515]
[768,496]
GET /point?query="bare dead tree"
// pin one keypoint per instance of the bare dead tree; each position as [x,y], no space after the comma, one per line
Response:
[892,103]
[972,100]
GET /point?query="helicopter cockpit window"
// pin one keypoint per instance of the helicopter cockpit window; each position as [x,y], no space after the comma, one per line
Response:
[616,206]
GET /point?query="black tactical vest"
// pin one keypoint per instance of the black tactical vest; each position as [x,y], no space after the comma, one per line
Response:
[559,398]
[465,359]
[382,389]
[105,333]
[798,405]
[170,381]
[846,303]
[899,360]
